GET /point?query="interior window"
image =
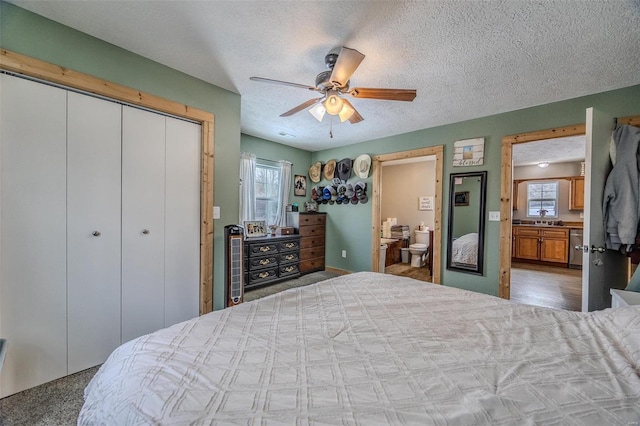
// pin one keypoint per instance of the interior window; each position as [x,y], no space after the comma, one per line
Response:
[267,188]
[542,197]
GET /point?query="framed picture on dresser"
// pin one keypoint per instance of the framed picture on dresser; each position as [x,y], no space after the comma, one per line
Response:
[255,228]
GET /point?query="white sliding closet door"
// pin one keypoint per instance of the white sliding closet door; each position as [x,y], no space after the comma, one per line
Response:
[33,297]
[93,230]
[182,206]
[143,190]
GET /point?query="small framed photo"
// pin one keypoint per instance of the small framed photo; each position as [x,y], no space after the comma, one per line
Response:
[461,198]
[300,186]
[255,228]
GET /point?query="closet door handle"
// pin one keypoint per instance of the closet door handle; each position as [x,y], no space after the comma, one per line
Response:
[96,233]
[145,231]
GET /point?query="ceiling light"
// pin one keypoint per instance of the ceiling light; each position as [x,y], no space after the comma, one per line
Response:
[334,103]
[346,112]
[543,164]
[318,111]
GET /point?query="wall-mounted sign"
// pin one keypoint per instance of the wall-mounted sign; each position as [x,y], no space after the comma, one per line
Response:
[425,203]
[468,152]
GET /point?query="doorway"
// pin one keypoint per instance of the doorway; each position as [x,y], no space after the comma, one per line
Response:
[547,213]
[507,196]
[436,243]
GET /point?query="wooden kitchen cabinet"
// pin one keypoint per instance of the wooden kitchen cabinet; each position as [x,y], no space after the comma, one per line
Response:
[544,244]
[576,193]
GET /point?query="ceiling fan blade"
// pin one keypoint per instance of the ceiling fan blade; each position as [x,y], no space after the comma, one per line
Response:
[301,107]
[355,117]
[285,83]
[348,61]
[385,94]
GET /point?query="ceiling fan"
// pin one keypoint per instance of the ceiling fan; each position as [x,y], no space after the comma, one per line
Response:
[334,84]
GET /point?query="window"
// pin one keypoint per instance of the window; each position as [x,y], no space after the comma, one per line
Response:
[267,188]
[542,196]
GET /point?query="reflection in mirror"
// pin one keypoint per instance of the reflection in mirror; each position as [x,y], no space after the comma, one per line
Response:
[465,248]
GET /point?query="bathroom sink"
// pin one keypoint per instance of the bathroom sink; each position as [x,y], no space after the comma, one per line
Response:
[387,240]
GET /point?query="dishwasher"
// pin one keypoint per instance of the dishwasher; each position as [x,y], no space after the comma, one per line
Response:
[575,256]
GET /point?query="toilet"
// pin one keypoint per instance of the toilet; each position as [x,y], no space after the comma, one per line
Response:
[419,248]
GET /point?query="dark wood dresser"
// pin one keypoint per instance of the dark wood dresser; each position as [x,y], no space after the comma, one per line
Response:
[311,228]
[271,259]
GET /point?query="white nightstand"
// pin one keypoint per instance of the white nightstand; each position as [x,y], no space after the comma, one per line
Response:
[620,298]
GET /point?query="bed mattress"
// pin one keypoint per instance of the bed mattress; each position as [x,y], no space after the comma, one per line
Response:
[370,348]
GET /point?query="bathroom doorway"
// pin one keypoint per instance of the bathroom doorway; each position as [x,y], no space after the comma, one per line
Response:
[420,165]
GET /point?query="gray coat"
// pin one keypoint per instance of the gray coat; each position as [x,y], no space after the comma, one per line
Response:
[621,192]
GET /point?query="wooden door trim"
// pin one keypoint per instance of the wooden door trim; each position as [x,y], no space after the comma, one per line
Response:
[377,160]
[35,68]
[506,173]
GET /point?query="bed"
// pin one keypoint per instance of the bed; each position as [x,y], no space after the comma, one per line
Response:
[369,348]
[464,250]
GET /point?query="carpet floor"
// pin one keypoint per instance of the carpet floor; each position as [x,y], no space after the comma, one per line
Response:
[59,402]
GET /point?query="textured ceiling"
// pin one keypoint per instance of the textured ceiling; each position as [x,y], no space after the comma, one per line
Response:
[467,59]
[560,150]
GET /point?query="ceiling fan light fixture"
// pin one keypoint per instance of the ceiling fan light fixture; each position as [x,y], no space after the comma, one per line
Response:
[333,104]
[346,112]
[318,111]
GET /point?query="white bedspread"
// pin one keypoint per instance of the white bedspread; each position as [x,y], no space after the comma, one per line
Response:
[373,349]
[464,250]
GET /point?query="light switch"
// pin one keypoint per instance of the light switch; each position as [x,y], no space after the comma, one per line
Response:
[216,212]
[494,216]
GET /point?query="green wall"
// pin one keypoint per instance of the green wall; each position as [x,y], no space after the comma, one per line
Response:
[268,150]
[350,228]
[32,35]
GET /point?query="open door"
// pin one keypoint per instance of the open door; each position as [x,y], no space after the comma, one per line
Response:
[601,269]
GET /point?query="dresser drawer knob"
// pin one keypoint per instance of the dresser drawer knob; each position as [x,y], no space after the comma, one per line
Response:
[264,275]
[265,248]
[265,262]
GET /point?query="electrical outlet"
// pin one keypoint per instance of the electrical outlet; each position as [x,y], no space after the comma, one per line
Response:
[344,253]
[216,212]
[494,216]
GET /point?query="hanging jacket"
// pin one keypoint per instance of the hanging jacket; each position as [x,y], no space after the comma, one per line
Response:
[621,192]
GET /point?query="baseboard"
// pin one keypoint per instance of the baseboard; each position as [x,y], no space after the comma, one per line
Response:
[337,271]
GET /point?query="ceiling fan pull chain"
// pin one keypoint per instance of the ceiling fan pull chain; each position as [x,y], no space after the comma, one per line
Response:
[331,127]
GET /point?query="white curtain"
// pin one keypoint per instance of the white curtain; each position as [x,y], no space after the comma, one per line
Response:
[247,187]
[283,196]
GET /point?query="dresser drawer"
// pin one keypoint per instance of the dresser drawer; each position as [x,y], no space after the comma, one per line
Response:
[311,231]
[263,262]
[289,245]
[316,264]
[312,253]
[289,257]
[308,242]
[257,277]
[286,270]
[312,219]
[265,248]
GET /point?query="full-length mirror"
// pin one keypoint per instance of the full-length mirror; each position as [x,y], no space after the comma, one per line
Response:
[465,239]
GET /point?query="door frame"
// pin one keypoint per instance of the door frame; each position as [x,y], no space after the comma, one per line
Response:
[377,160]
[506,188]
[45,71]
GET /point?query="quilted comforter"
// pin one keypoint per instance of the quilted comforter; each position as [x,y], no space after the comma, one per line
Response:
[370,349]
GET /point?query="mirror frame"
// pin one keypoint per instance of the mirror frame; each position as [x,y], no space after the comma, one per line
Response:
[478,270]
